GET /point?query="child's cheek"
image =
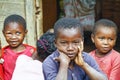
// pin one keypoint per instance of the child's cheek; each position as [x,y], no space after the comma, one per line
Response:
[60,48]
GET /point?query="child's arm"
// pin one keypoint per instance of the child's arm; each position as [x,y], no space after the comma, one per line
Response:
[91,72]
[64,63]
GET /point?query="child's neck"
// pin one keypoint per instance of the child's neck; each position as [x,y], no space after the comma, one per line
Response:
[98,54]
[71,65]
[19,48]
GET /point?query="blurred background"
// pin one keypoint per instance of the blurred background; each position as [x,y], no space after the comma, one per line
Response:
[41,15]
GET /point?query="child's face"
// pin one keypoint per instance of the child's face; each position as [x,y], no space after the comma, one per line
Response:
[68,40]
[14,34]
[104,39]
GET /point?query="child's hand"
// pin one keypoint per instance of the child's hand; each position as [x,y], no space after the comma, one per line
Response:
[79,59]
[63,58]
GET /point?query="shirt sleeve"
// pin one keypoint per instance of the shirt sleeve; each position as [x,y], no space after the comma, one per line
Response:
[91,61]
[50,68]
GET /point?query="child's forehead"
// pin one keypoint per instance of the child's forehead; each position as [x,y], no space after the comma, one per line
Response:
[106,30]
[102,27]
[14,25]
[69,32]
[68,29]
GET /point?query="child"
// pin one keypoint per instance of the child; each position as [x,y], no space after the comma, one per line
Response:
[14,31]
[68,62]
[45,46]
[104,36]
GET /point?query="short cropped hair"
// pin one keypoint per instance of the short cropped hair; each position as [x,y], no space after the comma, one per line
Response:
[15,18]
[45,45]
[106,23]
[67,23]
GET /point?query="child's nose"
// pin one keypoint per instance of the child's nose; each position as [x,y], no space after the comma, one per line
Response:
[70,47]
[105,41]
[13,36]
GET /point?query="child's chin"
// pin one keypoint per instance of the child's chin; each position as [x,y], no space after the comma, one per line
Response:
[14,46]
[71,58]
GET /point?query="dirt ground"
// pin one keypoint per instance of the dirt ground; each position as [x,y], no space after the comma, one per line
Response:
[89,46]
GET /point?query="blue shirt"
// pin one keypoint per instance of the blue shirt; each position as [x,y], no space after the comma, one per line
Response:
[51,67]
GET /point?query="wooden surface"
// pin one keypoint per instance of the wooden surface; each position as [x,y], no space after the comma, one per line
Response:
[30,19]
[49,13]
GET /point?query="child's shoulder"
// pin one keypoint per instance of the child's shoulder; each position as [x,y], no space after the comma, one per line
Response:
[31,48]
[6,47]
[92,52]
[115,53]
[27,45]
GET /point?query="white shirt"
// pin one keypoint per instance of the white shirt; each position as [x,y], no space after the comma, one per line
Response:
[27,69]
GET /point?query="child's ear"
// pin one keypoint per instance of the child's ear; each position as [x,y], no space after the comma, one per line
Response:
[26,31]
[92,37]
[55,43]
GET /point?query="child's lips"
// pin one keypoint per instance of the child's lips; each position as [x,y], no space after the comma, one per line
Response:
[106,48]
[13,42]
[70,55]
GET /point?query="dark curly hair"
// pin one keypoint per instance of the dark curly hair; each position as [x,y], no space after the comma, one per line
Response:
[67,23]
[45,45]
[14,18]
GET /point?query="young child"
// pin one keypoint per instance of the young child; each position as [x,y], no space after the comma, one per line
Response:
[14,30]
[68,62]
[30,68]
[104,37]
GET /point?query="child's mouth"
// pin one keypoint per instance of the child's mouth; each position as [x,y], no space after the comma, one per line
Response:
[106,48]
[70,55]
[13,42]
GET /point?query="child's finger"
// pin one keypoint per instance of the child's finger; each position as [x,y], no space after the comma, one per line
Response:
[81,46]
[61,53]
[56,59]
[79,52]
[79,58]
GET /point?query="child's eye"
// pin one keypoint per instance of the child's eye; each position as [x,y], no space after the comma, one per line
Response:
[8,34]
[63,43]
[18,33]
[76,42]
[101,38]
[110,39]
